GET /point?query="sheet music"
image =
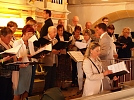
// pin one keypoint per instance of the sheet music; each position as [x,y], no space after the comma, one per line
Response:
[118,67]
[12,50]
[76,55]
[80,45]
[47,47]
[33,38]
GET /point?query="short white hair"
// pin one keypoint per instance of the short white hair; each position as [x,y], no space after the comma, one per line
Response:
[51,28]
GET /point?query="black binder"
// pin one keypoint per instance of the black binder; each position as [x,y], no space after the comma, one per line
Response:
[117,74]
[61,45]
[41,42]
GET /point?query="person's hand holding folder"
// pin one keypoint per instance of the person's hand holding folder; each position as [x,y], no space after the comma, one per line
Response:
[54,51]
[6,58]
[107,72]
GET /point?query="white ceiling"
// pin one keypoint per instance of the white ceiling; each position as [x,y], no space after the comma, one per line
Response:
[96,1]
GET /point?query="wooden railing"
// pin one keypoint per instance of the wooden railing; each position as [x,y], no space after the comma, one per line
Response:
[130,66]
[57,1]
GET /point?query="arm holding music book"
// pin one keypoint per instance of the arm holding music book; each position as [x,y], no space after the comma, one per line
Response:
[77,56]
[118,69]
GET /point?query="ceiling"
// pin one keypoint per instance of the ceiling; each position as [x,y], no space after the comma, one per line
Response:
[96,1]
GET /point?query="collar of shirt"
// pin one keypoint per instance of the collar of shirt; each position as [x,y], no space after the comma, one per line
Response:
[102,35]
[51,38]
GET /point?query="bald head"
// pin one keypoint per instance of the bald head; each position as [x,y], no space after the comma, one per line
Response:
[75,20]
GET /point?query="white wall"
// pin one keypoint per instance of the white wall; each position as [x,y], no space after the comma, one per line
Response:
[120,24]
[92,12]
[15,1]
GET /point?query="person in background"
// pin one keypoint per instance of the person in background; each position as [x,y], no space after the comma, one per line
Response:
[88,26]
[48,23]
[6,85]
[124,51]
[110,31]
[105,20]
[61,22]
[106,45]
[94,71]
[64,61]
[71,27]
[72,47]
[24,55]
[87,40]
[51,60]
[28,18]
[33,23]
[13,26]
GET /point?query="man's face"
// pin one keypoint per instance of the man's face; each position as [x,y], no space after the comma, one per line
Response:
[45,15]
[105,21]
[99,31]
[88,25]
[61,22]
[75,21]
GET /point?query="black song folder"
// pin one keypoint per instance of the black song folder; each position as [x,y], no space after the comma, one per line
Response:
[117,74]
[61,45]
[41,42]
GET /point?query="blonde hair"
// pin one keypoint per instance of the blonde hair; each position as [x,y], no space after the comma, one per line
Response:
[31,22]
[125,29]
[92,46]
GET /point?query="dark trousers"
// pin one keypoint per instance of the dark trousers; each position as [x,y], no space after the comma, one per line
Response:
[6,91]
[50,77]
[32,80]
[74,72]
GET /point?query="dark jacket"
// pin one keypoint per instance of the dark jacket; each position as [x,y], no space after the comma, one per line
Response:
[44,29]
[66,36]
[125,52]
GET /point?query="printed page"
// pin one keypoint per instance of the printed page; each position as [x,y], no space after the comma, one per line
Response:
[80,45]
[118,67]
[45,48]
[77,55]
[33,38]
[12,50]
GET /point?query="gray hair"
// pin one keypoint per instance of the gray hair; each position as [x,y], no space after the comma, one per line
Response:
[51,28]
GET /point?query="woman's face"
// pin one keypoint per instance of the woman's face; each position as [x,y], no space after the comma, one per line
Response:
[60,31]
[35,27]
[6,39]
[77,33]
[86,37]
[126,33]
[95,52]
[28,35]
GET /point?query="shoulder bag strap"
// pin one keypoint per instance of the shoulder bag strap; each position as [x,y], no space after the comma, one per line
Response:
[94,65]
